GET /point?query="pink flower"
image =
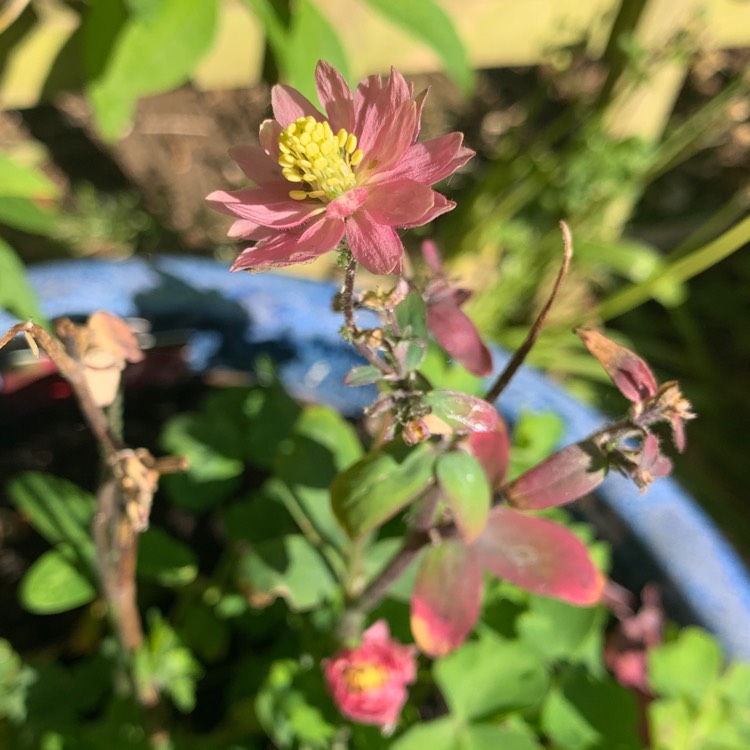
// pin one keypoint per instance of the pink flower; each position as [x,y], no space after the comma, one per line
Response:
[355,173]
[368,683]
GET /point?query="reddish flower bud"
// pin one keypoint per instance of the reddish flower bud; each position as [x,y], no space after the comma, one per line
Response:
[368,683]
[628,371]
[565,476]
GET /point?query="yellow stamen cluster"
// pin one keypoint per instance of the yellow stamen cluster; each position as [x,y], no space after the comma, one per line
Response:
[365,677]
[312,153]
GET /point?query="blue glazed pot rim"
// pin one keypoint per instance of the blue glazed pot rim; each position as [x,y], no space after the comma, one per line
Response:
[231,318]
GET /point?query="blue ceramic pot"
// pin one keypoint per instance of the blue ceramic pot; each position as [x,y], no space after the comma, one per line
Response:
[231,318]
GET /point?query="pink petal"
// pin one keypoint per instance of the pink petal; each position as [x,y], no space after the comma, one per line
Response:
[256,164]
[385,120]
[431,161]
[459,337]
[539,556]
[268,206]
[628,371]
[440,206]
[249,230]
[565,476]
[345,205]
[288,248]
[446,599]
[376,246]
[398,202]
[288,104]
[335,96]
[268,135]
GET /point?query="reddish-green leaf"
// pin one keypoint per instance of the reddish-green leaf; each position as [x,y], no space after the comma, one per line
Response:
[492,450]
[539,556]
[565,476]
[457,411]
[446,598]
[466,491]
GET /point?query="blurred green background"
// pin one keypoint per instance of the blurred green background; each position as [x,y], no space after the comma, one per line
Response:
[630,120]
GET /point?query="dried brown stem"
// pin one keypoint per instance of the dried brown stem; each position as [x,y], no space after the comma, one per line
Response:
[355,335]
[522,352]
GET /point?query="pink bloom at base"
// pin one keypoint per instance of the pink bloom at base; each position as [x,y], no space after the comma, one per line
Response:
[354,174]
[368,683]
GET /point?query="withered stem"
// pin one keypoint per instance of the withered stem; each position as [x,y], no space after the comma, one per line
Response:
[347,296]
[522,352]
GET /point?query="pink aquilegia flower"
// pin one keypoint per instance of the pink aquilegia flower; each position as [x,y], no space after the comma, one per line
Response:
[368,683]
[354,174]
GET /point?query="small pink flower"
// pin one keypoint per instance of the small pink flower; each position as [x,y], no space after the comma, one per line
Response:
[355,173]
[368,683]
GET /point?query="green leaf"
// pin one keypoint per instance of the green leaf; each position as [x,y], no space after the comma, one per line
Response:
[411,315]
[466,491]
[151,54]
[276,31]
[59,510]
[441,734]
[428,22]
[331,430]
[377,487]
[18,180]
[670,724]
[165,664]
[363,375]
[16,294]
[265,416]
[26,215]
[164,559]
[15,680]
[287,706]
[311,38]
[558,631]
[491,675]
[493,737]
[589,712]
[288,567]
[52,585]
[211,447]
[686,667]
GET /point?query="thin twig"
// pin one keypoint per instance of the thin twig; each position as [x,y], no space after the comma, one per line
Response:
[522,352]
[355,335]
[72,371]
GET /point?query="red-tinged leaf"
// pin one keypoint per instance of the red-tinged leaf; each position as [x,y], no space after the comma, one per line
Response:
[492,450]
[466,491]
[539,556]
[565,476]
[453,411]
[459,337]
[628,371]
[446,599]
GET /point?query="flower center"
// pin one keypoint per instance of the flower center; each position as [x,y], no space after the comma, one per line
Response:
[312,153]
[364,677]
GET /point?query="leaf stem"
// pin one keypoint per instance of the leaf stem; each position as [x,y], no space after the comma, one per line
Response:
[522,352]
